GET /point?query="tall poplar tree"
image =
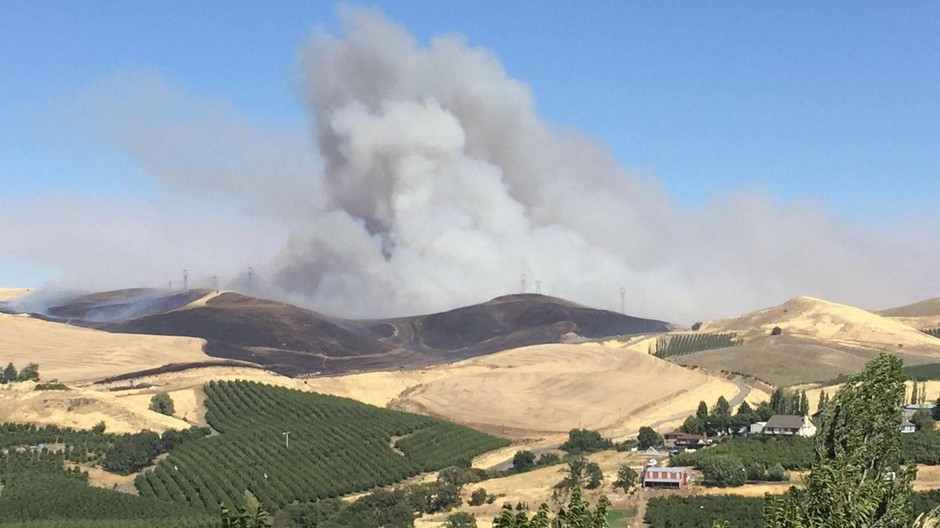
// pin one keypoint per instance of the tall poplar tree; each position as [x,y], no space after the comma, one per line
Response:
[858,478]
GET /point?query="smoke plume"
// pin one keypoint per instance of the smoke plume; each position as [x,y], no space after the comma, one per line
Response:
[437,184]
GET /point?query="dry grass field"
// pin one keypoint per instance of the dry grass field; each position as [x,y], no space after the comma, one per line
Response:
[539,393]
[832,322]
[819,341]
[77,355]
[78,408]
[788,360]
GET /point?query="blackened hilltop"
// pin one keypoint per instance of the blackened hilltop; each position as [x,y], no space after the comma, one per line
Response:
[296,341]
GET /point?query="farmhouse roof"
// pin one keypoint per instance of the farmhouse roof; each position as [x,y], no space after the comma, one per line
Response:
[784,421]
[684,436]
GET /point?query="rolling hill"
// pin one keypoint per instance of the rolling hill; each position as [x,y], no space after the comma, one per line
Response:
[296,341]
[819,340]
[921,315]
[74,354]
[541,392]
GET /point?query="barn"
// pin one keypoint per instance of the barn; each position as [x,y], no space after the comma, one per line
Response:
[666,477]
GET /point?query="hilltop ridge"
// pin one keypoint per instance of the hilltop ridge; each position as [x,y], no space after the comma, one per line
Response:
[297,341]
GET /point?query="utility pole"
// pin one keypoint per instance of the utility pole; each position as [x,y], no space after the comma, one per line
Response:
[251,271]
[185,280]
[286,439]
[215,282]
[538,287]
[623,300]
[522,280]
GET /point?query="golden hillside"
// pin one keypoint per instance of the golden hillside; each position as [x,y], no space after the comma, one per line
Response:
[541,392]
[819,341]
[73,354]
[832,322]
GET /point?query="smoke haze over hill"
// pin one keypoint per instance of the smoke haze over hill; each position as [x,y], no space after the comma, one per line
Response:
[430,181]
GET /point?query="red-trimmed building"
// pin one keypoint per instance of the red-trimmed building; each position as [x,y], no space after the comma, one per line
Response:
[666,477]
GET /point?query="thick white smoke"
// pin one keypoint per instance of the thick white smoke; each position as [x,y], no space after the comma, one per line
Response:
[444,185]
[437,185]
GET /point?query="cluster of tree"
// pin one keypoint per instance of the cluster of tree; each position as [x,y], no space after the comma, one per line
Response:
[390,508]
[581,473]
[480,497]
[124,454]
[129,453]
[526,460]
[29,373]
[785,401]
[578,514]
[647,438]
[791,453]
[582,441]
[918,393]
[719,418]
[627,479]
[336,446]
[922,446]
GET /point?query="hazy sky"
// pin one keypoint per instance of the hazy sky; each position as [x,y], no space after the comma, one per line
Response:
[140,138]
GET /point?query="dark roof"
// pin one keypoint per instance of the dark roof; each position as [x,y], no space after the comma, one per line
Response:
[784,421]
[679,435]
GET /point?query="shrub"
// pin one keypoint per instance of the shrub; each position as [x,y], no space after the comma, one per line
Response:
[162,403]
[478,497]
[756,471]
[548,459]
[776,473]
[460,520]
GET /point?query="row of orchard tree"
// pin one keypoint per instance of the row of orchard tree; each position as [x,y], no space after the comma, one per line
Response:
[335,446]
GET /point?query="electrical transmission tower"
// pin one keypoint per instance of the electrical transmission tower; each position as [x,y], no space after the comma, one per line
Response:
[185,280]
[522,280]
[538,287]
[623,300]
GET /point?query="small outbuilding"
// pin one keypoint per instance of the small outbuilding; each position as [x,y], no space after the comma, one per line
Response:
[660,477]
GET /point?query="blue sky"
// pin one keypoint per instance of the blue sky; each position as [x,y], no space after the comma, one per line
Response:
[835,103]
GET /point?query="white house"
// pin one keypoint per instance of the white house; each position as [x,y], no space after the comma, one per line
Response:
[907,427]
[789,425]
